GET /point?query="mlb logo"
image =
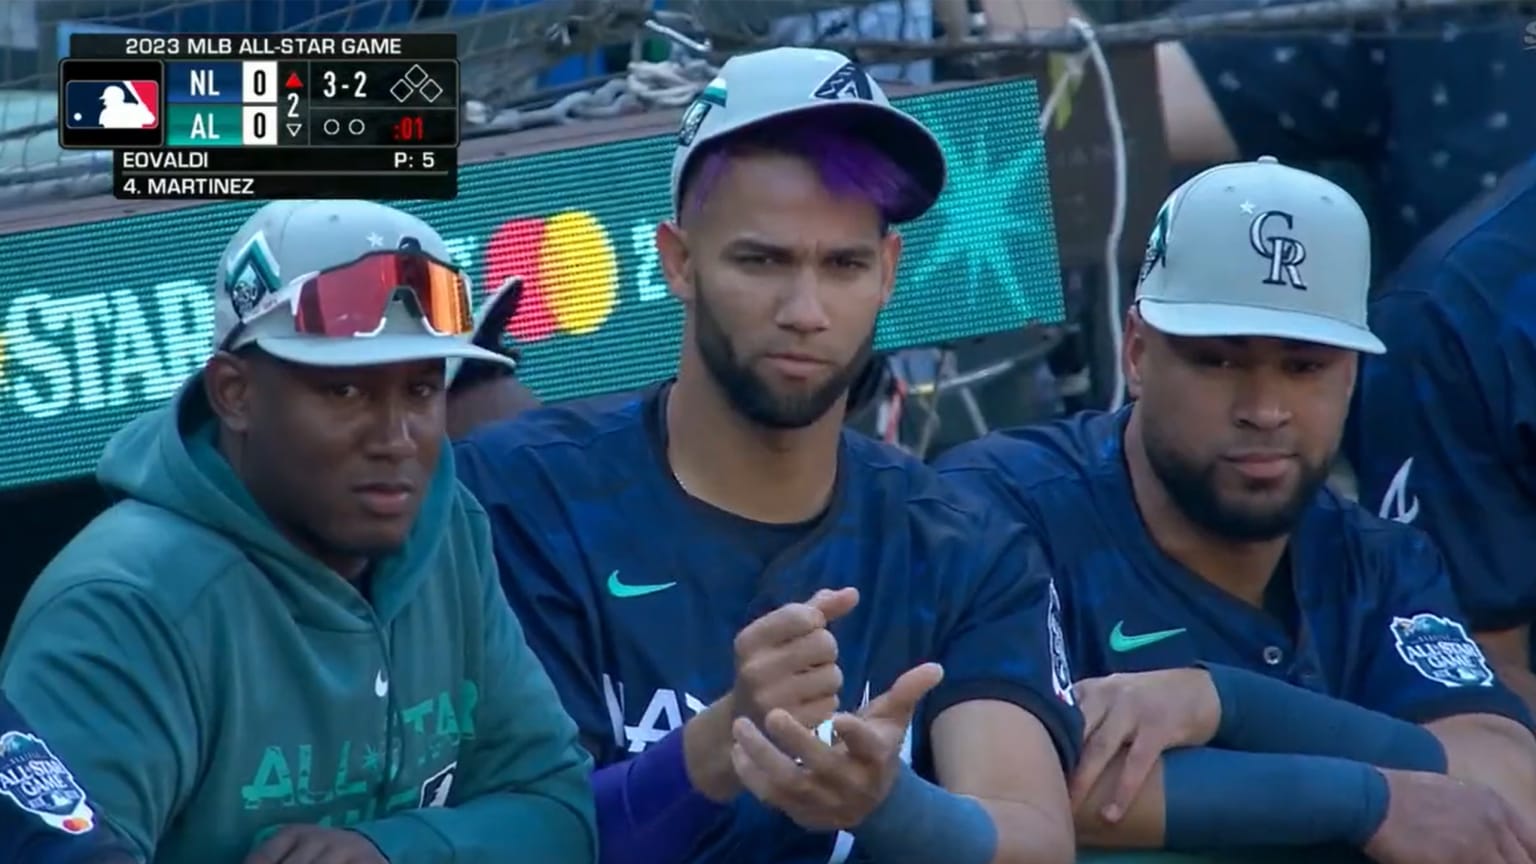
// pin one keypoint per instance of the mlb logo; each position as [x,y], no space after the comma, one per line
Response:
[129,104]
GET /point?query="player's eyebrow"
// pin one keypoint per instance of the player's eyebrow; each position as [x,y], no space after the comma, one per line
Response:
[752,246]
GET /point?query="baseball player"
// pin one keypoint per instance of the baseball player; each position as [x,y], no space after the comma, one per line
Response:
[287,643]
[745,606]
[1261,661]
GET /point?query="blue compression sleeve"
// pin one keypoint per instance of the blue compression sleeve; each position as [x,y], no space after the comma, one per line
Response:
[919,823]
[1223,799]
[647,809]
[1264,715]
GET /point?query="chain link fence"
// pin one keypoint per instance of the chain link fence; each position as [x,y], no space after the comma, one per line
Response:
[529,63]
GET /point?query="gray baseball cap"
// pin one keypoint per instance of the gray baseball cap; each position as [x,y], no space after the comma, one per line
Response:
[1260,249]
[783,82]
[286,241]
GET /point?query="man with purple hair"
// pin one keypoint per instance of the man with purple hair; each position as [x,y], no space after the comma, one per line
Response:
[784,641]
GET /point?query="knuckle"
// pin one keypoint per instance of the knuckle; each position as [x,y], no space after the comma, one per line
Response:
[803,617]
[834,679]
[751,672]
[824,645]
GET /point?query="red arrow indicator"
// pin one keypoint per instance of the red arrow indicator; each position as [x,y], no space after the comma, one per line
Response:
[293,82]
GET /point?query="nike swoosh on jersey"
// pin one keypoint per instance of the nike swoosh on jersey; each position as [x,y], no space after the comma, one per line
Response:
[1121,643]
[620,589]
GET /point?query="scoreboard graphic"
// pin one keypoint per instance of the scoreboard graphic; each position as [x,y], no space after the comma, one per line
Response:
[231,117]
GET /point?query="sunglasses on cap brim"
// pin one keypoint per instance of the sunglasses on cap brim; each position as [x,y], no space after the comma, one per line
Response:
[353,299]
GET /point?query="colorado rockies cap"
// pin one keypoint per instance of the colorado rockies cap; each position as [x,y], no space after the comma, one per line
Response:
[752,89]
[285,241]
[1260,249]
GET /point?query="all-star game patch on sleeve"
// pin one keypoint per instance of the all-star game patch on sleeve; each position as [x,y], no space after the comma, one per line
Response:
[45,815]
[1421,663]
[1008,644]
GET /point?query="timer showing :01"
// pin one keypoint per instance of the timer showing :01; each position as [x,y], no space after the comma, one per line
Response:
[408,130]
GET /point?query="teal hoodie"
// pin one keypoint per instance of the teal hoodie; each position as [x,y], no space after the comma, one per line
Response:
[209,683]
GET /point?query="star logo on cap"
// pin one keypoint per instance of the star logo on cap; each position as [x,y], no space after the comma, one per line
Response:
[1248,208]
[375,241]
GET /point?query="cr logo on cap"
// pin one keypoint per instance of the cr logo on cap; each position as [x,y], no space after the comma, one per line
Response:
[1285,254]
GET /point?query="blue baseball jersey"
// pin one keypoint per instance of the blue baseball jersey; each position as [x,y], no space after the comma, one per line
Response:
[1361,608]
[632,592]
[45,817]
[1443,430]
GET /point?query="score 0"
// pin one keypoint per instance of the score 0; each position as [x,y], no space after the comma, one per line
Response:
[258,103]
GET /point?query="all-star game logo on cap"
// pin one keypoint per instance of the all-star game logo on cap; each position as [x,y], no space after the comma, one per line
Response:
[251,277]
[37,781]
[712,96]
[848,82]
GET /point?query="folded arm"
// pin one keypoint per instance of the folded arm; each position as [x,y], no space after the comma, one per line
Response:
[1303,771]
[1205,798]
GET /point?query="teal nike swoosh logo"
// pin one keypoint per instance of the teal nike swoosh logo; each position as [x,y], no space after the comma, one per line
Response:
[619,589]
[1119,642]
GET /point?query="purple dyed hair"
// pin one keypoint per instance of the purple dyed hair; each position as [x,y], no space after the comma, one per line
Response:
[848,164]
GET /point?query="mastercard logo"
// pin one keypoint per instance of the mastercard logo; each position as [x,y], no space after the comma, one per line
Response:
[77,824]
[569,269]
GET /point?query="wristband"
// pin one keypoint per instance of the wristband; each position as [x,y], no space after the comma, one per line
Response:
[1221,799]
[920,823]
[1265,715]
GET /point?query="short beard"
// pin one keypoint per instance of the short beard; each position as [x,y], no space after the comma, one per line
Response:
[748,393]
[1192,489]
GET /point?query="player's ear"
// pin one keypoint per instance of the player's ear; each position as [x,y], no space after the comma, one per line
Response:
[1133,351]
[672,249]
[890,260]
[227,385]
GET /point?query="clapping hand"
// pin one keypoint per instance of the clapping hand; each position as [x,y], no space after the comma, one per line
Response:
[831,787]
[787,660]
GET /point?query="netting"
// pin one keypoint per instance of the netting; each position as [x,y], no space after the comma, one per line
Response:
[537,62]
